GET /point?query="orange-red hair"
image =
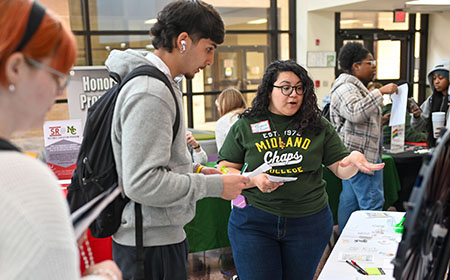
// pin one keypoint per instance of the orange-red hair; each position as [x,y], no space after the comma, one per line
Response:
[51,39]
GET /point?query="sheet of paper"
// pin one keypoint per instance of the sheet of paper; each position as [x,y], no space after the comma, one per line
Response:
[261,169]
[398,111]
[281,179]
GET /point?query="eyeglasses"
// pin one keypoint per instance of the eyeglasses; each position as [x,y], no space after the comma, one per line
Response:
[62,79]
[287,90]
[372,63]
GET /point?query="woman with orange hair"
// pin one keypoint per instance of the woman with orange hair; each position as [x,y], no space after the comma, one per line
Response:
[36,237]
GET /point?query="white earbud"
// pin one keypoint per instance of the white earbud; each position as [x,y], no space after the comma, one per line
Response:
[183,46]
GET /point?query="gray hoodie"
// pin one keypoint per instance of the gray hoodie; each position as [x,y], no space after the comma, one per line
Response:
[154,170]
[423,122]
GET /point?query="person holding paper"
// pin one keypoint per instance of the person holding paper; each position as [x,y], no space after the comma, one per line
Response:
[37,239]
[154,169]
[437,102]
[283,230]
[356,114]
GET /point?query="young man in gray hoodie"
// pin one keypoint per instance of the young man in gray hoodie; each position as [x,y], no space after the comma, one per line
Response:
[153,169]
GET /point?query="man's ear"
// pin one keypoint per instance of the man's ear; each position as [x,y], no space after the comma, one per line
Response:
[14,66]
[182,40]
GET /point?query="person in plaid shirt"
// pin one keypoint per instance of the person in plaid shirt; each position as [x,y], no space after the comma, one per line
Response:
[356,114]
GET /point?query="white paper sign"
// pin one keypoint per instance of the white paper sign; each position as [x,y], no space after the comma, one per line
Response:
[398,138]
[62,141]
[87,85]
[398,111]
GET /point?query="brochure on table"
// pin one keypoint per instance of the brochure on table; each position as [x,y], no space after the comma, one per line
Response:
[62,140]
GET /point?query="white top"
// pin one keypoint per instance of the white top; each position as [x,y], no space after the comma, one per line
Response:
[223,125]
[36,235]
[199,157]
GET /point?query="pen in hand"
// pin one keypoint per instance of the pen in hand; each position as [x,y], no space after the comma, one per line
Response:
[357,267]
[243,168]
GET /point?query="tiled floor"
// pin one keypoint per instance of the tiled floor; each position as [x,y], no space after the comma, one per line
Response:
[212,264]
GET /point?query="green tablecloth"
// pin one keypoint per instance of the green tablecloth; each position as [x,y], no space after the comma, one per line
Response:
[208,230]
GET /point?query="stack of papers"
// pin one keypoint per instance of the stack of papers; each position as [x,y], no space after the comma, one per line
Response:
[85,215]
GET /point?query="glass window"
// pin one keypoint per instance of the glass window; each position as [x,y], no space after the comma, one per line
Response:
[103,44]
[124,15]
[243,15]
[76,16]
[388,59]
[372,20]
[283,14]
[239,63]
[81,52]
[284,46]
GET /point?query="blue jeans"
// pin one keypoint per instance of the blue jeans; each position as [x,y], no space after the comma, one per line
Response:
[266,246]
[363,192]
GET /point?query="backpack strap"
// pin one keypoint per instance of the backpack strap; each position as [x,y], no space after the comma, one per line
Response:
[152,71]
[139,235]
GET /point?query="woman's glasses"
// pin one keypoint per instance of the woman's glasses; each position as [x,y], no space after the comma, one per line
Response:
[62,79]
[287,90]
[372,63]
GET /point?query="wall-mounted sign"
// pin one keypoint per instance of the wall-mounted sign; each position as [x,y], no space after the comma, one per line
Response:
[321,59]
[88,84]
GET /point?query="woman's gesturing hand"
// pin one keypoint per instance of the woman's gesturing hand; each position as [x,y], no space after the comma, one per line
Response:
[358,160]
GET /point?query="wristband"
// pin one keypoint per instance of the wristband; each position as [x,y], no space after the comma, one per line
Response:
[196,147]
[199,168]
[107,272]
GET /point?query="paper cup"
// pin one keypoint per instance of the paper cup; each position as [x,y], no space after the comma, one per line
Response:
[438,119]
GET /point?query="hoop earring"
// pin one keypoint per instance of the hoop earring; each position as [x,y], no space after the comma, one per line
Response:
[11,88]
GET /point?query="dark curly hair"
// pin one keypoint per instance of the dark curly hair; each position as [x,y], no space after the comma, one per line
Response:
[308,116]
[350,53]
[197,18]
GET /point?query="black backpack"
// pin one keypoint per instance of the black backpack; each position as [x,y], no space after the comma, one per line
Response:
[96,168]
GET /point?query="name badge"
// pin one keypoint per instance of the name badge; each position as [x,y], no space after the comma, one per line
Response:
[260,127]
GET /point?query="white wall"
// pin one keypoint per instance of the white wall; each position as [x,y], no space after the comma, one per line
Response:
[438,38]
[321,27]
[312,26]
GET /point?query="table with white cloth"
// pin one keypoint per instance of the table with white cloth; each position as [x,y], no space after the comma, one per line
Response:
[369,239]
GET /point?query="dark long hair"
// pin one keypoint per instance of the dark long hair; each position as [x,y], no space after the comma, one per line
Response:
[308,116]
